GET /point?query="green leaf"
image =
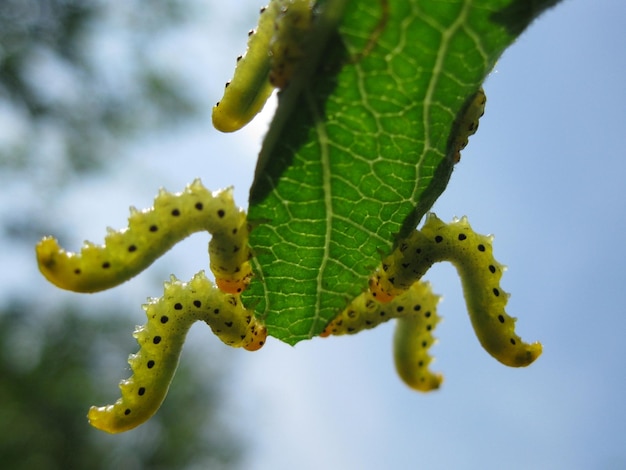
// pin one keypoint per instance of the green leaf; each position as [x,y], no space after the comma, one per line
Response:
[360,146]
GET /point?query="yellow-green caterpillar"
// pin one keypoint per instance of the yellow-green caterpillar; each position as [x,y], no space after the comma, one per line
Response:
[467,124]
[480,274]
[151,233]
[161,341]
[396,291]
[246,94]
[415,312]
[273,52]
[125,253]
[287,46]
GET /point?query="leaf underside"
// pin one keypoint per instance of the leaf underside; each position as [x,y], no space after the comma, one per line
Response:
[360,149]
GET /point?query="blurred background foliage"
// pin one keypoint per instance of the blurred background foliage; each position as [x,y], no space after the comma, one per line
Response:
[55,364]
[78,76]
[77,84]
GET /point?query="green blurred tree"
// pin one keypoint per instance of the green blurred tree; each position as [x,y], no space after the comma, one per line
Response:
[52,368]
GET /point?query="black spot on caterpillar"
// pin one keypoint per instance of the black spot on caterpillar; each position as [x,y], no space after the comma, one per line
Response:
[480,274]
[466,124]
[161,341]
[151,233]
[273,51]
[416,314]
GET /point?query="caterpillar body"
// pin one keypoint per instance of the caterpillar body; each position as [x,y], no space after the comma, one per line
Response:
[415,312]
[246,94]
[151,233]
[288,44]
[274,50]
[480,275]
[161,341]
[396,291]
[126,252]
[413,337]
[467,124]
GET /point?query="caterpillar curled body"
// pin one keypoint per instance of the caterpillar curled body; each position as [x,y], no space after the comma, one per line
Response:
[396,291]
[246,94]
[151,233]
[274,49]
[415,312]
[161,341]
[467,124]
[480,275]
[413,337]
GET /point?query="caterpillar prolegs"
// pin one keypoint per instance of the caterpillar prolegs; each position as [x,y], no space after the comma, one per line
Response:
[480,275]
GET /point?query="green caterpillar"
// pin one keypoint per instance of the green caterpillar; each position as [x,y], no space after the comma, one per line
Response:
[480,274]
[416,314]
[395,292]
[467,124]
[246,94]
[161,341]
[287,46]
[125,253]
[151,233]
[274,50]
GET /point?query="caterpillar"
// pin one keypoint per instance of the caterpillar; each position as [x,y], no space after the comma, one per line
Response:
[480,275]
[467,124]
[396,291]
[161,341]
[151,233]
[287,46]
[415,312]
[273,51]
[246,94]
[127,252]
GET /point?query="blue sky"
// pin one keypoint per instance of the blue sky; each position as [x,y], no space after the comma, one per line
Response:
[545,174]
